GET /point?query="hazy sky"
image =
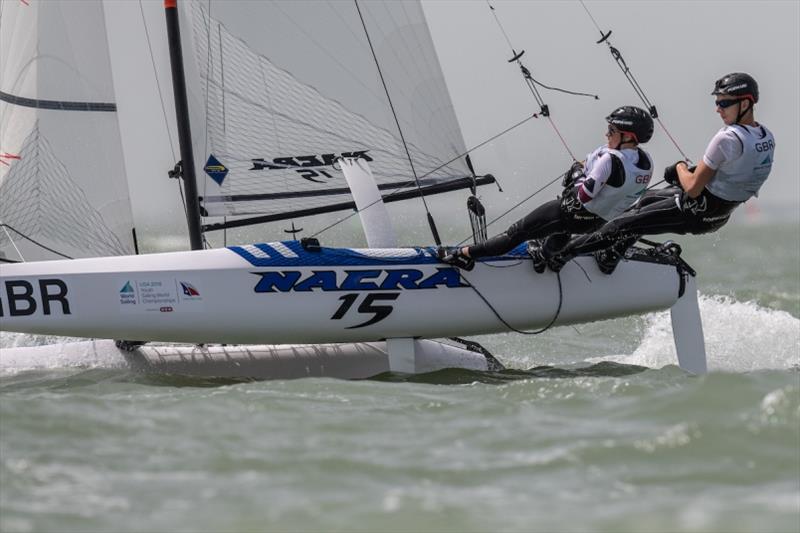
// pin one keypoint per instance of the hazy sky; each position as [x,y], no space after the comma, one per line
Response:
[676,50]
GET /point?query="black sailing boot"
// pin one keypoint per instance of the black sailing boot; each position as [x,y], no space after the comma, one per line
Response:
[452,255]
[555,259]
[535,251]
[608,258]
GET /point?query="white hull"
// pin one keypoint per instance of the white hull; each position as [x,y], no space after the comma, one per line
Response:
[280,293]
[344,361]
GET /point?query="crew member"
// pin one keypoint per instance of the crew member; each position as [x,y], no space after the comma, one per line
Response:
[735,165]
[614,177]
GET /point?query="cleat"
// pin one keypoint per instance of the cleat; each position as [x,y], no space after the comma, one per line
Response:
[539,261]
[453,256]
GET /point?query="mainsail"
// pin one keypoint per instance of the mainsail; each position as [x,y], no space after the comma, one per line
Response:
[288,87]
[277,90]
[62,177]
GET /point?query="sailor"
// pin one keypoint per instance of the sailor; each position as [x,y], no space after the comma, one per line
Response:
[735,165]
[614,176]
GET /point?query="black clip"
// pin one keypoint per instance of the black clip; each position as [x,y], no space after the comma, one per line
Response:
[177,171]
[310,244]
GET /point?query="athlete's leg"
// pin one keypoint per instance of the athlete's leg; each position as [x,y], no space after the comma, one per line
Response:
[664,216]
[539,223]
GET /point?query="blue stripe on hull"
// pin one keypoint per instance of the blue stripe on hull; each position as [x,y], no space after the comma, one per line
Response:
[291,253]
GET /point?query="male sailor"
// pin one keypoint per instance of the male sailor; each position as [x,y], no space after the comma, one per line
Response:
[735,165]
[614,177]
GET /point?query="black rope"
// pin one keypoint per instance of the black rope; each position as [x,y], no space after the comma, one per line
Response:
[617,55]
[509,326]
[40,245]
[431,222]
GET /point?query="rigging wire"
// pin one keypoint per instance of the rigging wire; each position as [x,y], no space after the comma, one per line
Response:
[615,53]
[431,222]
[531,82]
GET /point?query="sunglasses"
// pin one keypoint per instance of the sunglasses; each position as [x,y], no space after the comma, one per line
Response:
[612,130]
[724,104]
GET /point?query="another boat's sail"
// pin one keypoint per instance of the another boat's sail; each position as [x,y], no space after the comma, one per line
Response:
[62,178]
[287,87]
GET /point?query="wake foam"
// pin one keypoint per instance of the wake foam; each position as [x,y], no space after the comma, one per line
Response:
[20,352]
[740,337]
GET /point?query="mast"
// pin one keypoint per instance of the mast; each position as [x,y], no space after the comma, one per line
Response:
[184,130]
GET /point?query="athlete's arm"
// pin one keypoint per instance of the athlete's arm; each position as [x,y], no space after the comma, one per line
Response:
[694,182]
[595,179]
[724,146]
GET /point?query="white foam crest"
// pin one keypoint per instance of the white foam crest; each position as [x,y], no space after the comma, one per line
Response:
[21,353]
[740,337]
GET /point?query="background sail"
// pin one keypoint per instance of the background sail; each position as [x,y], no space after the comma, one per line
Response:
[289,86]
[62,179]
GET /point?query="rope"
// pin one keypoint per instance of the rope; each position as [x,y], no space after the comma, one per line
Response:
[615,53]
[532,83]
[509,326]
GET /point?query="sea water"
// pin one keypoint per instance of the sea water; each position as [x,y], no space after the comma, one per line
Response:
[593,428]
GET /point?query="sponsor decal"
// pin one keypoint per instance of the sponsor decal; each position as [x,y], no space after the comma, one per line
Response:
[215,170]
[160,295]
[24,298]
[309,167]
[357,280]
[189,289]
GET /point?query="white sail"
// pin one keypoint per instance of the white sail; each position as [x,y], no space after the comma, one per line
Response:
[62,177]
[287,87]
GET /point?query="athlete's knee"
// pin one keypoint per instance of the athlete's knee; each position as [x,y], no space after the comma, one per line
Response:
[516,231]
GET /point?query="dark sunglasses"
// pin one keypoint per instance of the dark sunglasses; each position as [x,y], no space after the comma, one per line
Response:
[612,130]
[724,104]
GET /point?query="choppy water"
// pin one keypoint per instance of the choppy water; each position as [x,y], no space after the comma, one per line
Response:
[594,429]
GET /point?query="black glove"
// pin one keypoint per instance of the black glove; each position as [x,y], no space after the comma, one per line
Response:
[572,175]
[671,174]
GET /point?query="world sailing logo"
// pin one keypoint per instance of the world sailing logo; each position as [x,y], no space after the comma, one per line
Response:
[303,164]
[127,294]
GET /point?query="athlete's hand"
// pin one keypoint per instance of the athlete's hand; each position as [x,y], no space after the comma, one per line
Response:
[572,175]
[671,174]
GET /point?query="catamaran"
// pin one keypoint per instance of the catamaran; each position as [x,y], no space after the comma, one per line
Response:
[290,112]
